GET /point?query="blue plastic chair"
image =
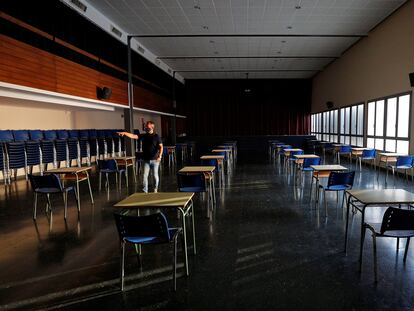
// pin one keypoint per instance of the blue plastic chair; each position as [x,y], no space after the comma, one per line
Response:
[93,143]
[337,181]
[50,184]
[396,223]
[146,230]
[32,147]
[102,146]
[306,167]
[110,166]
[403,163]
[367,155]
[3,164]
[344,150]
[196,182]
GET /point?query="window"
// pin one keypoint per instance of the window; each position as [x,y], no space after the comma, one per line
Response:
[389,123]
[352,125]
[325,125]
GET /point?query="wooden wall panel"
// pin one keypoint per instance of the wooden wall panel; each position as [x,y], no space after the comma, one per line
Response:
[26,65]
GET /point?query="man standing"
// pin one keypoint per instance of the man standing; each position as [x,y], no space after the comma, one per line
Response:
[151,152]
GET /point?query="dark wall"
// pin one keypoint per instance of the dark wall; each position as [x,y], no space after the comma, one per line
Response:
[272,107]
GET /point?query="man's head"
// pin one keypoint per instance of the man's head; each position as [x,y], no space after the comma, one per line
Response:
[149,127]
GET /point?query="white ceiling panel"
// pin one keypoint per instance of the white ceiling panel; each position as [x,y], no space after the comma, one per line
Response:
[335,18]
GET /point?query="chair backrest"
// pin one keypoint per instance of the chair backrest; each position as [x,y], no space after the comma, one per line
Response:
[345,149]
[150,226]
[83,134]
[21,135]
[93,133]
[293,153]
[36,134]
[369,153]
[48,181]
[73,133]
[405,161]
[109,164]
[307,162]
[62,134]
[210,162]
[341,178]
[397,219]
[6,136]
[193,180]
[50,134]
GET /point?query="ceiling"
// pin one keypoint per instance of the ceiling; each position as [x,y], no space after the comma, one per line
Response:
[303,35]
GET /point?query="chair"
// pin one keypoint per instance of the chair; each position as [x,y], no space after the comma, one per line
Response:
[110,166]
[3,164]
[396,223]
[327,147]
[344,150]
[74,147]
[61,148]
[32,149]
[93,144]
[196,182]
[16,158]
[47,148]
[337,181]
[145,230]
[110,148]
[291,158]
[84,146]
[50,184]
[403,163]
[368,155]
[219,170]
[102,146]
[306,167]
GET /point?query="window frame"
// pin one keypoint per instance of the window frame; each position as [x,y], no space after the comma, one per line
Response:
[384,137]
[347,137]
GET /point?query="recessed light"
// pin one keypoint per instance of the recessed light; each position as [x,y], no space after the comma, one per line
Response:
[283,41]
[197,7]
[215,52]
[298,7]
[289,27]
[212,41]
[205,27]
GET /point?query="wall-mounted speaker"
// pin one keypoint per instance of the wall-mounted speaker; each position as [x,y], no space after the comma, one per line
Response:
[103,92]
[411,75]
[329,105]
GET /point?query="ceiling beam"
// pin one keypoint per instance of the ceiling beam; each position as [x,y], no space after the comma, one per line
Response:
[247,57]
[250,36]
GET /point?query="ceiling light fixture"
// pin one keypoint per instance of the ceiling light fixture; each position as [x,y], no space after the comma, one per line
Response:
[212,41]
[289,27]
[197,7]
[205,27]
[283,41]
[298,7]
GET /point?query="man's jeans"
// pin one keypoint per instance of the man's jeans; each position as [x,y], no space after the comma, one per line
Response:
[154,164]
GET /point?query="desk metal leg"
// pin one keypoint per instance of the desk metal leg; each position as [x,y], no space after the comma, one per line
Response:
[193,224]
[90,188]
[362,234]
[77,190]
[183,215]
[346,224]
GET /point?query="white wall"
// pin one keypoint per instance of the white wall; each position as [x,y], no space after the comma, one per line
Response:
[22,114]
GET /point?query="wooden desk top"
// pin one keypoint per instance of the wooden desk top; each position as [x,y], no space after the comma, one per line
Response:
[329,167]
[389,154]
[126,158]
[383,196]
[221,150]
[69,170]
[159,199]
[169,147]
[359,148]
[338,145]
[305,156]
[225,147]
[197,169]
[209,157]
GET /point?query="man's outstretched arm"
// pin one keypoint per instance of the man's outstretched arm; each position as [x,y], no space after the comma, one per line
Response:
[127,134]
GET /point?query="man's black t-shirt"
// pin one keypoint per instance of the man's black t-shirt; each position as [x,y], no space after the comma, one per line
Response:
[150,146]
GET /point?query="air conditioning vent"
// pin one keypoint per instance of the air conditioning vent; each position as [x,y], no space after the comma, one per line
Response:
[116,31]
[79,5]
[141,49]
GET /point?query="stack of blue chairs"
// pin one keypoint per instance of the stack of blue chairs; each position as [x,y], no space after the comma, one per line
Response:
[73,147]
[84,147]
[32,148]
[14,153]
[102,147]
[93,143]
[47,148]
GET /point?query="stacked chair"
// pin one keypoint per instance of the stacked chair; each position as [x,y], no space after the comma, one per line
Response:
[47,148]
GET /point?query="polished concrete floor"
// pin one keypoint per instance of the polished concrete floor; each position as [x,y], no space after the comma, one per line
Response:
[266,248]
